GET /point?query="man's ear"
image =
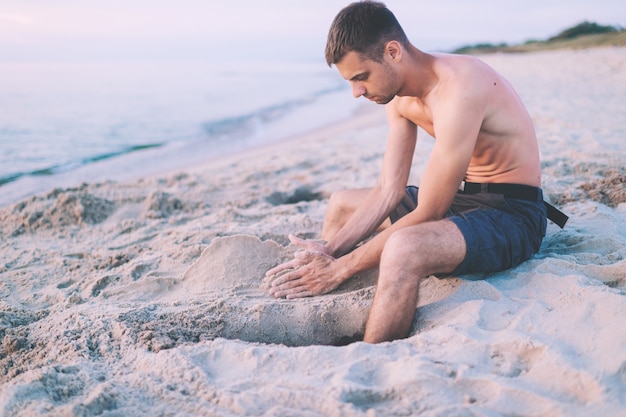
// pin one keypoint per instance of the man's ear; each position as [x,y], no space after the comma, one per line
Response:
[393,50]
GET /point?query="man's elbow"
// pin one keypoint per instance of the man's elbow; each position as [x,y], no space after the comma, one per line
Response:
[432,214]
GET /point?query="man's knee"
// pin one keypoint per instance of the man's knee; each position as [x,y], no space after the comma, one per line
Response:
[338,209]
[425,249]
[402,250]
[337,200]
[343,203]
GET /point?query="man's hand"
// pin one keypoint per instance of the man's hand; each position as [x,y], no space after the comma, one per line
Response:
[311,272]
[304,245]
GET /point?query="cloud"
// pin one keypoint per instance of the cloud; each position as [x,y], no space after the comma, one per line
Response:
[17,18]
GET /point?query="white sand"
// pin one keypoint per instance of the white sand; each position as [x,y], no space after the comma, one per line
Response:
[143,298]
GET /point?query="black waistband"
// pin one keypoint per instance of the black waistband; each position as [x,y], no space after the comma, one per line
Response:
[517,191]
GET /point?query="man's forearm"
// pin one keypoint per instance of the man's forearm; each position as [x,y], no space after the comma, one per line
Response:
[364,221]
[367,256]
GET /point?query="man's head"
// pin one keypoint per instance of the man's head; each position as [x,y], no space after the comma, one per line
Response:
[364,27]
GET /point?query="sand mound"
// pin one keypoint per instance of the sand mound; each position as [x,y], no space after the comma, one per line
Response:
[231,270]
[610,190]
[56,209]
[607,184]
[160,204]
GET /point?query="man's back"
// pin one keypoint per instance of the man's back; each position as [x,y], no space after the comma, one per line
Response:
[505,149]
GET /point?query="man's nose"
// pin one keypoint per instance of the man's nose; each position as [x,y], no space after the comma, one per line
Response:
[357,90]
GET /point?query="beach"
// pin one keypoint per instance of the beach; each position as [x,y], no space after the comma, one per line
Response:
[144,296]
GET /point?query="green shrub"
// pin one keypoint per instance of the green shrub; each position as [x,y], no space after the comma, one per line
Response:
[584,28]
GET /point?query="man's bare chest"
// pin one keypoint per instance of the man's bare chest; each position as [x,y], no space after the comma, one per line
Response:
[418,113]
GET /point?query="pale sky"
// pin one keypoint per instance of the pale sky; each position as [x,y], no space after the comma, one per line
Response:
[33,30]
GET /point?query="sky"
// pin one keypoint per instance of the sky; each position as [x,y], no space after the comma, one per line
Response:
[208,30]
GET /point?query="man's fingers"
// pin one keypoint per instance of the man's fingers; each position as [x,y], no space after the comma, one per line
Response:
[291,279]
[307,256]
[298,291]
[296,240]
[311,245]
[286,280]
[302,243]
[293,264]
[291,270]
[299,294]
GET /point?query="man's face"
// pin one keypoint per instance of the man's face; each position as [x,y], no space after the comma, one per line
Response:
[375,81]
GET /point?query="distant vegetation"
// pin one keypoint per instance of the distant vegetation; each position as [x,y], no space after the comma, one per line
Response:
[582,29]
[583,35]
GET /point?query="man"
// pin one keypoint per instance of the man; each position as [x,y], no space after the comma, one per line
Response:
[485,144]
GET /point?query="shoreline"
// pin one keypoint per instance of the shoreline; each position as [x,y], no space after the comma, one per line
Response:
[144,296]
[160,161]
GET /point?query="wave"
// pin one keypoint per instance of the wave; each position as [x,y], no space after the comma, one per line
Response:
[68,166]
[250,124]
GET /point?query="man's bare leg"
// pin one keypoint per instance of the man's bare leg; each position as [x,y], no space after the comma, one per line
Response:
[341,206]
[410,254]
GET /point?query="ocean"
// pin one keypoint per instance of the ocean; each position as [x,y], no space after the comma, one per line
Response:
[87,118]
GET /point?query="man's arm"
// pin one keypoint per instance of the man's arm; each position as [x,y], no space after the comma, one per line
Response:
[316,263]
[389,190]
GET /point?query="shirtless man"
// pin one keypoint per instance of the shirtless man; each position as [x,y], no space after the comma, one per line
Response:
[479,206]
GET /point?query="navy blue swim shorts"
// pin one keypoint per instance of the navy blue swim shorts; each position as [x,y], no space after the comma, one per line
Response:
[500,232]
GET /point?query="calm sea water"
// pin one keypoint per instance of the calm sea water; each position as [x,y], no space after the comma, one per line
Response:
[55,118]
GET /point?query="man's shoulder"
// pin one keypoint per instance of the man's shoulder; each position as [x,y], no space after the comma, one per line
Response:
[463,78]
[462,69]
[458,61]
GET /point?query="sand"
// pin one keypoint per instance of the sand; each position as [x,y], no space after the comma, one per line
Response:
[144,297]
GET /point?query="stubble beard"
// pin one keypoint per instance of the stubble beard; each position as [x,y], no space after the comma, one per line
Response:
[385,100]
[392,87]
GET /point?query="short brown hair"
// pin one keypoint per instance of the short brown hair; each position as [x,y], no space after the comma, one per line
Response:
[364,27]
